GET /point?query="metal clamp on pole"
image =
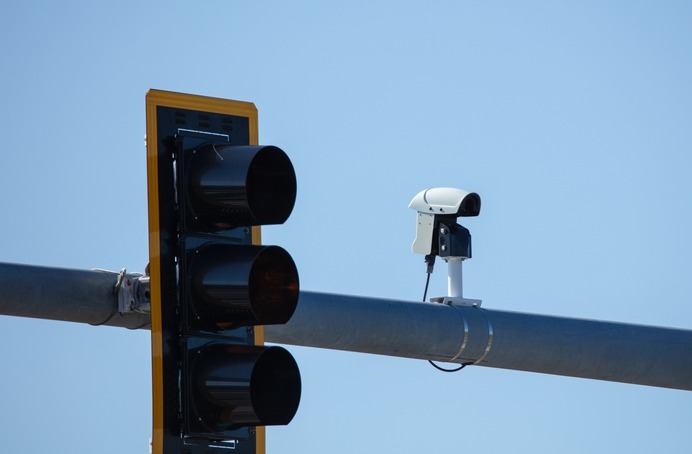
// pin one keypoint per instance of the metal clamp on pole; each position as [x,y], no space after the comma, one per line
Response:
[133,292]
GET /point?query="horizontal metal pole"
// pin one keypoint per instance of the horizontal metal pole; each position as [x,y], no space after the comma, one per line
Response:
[617,352]
[460,334]
[82,296]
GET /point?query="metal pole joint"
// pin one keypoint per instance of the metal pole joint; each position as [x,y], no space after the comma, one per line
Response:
[133,292]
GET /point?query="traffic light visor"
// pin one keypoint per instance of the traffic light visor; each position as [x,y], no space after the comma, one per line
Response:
[236,386]
[233,186]
[235,285]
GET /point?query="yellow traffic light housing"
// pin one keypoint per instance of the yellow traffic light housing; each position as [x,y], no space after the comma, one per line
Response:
[210,187]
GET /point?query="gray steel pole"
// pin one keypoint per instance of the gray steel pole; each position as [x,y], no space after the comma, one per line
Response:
[64,294]
[460,334]
[618,352]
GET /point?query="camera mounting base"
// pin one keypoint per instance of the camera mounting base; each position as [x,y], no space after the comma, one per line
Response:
[452,301]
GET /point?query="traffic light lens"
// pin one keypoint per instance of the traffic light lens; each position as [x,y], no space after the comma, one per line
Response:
[275,387]
[273,286]
[271,186]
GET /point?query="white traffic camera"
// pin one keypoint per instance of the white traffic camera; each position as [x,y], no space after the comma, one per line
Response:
[438,210]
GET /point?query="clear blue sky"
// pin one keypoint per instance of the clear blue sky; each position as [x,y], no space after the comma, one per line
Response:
[571,119]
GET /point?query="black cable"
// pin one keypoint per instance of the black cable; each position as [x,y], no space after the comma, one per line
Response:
[105,321]
[448,370]
[425,292]
[430,261]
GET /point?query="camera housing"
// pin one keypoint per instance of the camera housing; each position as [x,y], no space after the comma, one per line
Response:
[438,207]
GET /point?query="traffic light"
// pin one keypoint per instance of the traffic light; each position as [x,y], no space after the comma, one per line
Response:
[213,286]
